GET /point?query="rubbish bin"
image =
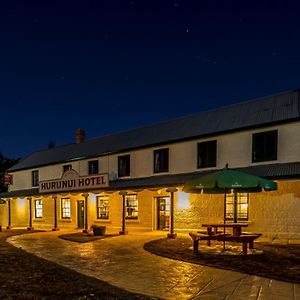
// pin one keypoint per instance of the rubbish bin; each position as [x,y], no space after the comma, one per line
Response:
[98,230]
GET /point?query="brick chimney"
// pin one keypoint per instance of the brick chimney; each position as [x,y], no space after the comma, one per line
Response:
[80,135]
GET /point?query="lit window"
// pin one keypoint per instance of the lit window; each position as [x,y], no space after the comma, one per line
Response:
[102,207]
[124,165]
[131,207]
[242,207]
[207,154]
[93,167]
[38,208]
[65,208]
[264,146]
[35,178]
[161,160]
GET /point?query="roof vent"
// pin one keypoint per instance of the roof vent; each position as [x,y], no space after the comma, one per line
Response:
[80,136]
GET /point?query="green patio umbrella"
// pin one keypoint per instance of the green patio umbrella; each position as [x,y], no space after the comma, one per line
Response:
[229,180]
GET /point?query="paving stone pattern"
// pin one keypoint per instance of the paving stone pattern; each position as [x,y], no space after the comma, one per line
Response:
[121,261]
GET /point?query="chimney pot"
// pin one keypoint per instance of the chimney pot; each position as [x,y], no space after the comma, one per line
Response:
[80,136]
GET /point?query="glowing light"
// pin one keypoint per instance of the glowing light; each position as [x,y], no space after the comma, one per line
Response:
[21,202]
[183,200]
[92,198]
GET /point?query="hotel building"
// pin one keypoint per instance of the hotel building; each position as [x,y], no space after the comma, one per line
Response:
[126,181]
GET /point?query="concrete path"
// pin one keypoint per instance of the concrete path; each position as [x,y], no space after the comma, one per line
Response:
[122,262]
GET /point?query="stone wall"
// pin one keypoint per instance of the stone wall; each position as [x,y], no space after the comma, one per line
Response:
[276,214]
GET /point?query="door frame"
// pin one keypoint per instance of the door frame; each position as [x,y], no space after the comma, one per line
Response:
[157,211]
[80,202]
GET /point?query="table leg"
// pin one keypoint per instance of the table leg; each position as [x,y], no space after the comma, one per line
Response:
[251,245]
[209,230]
[245,248]
[196,246]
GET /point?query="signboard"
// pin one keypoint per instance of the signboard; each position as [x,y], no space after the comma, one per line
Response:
[71,181]
[7,178]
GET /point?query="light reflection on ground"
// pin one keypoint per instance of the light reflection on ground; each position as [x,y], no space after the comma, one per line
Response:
[122,261]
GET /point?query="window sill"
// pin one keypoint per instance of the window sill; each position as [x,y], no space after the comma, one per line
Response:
[103,221]
[132,220]
[206,168]
[264,161]
[65,220]
[124,177]
[161,173]
[38,220]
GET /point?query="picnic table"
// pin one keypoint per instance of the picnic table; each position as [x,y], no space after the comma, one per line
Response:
[236,227]
[213,234]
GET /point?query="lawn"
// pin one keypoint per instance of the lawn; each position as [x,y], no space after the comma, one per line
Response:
[269,260]
[25,276]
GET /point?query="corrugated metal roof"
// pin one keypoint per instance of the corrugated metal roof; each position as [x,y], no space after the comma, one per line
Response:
[272,171]
[259,112]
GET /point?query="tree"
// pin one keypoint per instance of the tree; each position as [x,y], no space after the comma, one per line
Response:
[5,164]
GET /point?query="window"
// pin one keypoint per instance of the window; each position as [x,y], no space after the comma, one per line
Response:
[264,146]
[207,154]
[131,207]
[38,209]
[161,160]
[66,168]
[102,207]
[93,167]
[124,165]
[35,178]
[65,208]
[242,207]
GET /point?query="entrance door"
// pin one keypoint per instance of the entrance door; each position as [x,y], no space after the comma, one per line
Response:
[80,214]
[163,213]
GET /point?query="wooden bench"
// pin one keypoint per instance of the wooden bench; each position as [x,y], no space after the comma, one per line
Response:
[251,233]
[197,236]
[245,239]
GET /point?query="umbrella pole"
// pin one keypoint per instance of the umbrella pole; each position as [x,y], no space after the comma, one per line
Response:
[224,220]
[235,208]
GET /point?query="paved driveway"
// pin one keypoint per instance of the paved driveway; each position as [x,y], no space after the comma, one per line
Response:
[122,262]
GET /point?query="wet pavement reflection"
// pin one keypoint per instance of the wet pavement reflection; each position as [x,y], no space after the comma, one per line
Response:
[122,261]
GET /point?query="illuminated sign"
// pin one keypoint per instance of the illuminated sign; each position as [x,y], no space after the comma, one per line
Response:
[71,181]
[7,178]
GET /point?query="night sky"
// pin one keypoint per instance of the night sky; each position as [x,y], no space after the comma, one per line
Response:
[108,66]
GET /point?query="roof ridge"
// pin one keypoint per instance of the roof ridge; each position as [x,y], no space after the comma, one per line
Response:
[198,113]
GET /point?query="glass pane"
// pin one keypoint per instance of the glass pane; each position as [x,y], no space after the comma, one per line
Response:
[102,207]
[131,207]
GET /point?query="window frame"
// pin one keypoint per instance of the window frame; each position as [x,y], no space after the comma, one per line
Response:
[38,209]
[104,211]
[127,167]
[240,197]
[64,210]
[135,210]
[163,164]
[208,162]
[35,178]
[91,170]
[263,153]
